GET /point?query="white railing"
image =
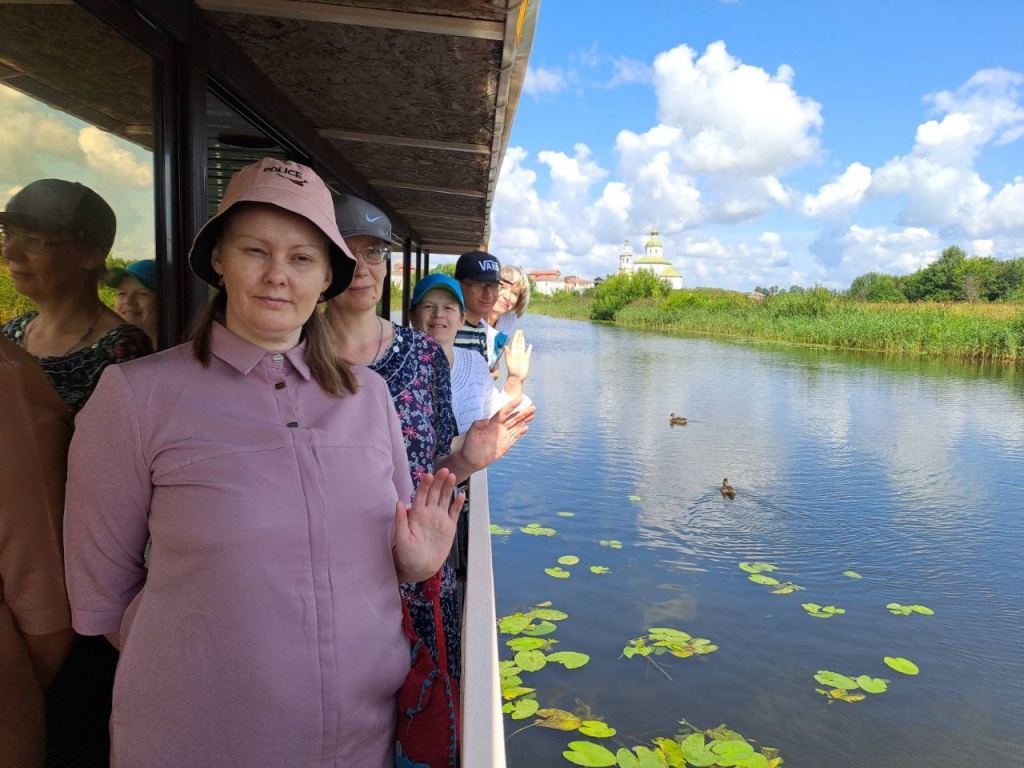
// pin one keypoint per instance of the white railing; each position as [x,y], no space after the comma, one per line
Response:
[483,733]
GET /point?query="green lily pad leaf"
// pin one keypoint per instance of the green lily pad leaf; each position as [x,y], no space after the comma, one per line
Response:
[758,578]
[557,719]
[640,757]
[732,750]
[569,659]
[589,754]
[513,625]
[695,752]
[611,543]
[870,684]
[568,560]
[787,588]
[566,514]
[525,643]
[852,575]
[668,634]
[757,567]
[497,530]
[531,661]
[899,610]
[541,628]
[557,572]
[756,760]
[634,498]
[597,729]
[515,692]
[900,664]
[523,708]
[835,680]
[672,752]
[548,614]
[922,609]
[536,529]
[599,569]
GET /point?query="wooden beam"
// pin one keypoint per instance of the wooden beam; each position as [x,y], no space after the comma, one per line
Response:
[405,141]
[452,248]
[395,184]
[407,212]
[362,17]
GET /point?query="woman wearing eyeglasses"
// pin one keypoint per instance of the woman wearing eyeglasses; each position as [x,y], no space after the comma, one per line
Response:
[417,375]
[55,236]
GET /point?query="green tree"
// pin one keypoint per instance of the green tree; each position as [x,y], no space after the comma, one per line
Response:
[619,290]
[875,286]
[942,280]
[444,268]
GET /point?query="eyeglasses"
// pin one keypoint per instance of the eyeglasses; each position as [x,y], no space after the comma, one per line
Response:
[479,288]
[31,243]
[375,254]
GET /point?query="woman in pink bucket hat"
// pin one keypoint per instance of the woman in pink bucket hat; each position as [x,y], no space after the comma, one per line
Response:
[271,478]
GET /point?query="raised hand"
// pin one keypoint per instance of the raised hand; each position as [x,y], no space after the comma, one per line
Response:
[424,532]
[490,439]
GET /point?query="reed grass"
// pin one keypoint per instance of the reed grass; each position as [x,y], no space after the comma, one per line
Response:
[983,332]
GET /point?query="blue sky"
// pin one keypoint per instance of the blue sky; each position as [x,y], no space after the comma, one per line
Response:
[771,141]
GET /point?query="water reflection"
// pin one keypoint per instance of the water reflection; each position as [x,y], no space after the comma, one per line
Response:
[904,470]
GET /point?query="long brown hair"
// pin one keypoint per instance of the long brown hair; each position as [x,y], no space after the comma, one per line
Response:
[329,370]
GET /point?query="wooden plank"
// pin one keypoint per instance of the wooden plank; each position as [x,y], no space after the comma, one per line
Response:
[362,17]
[396,184]
[405,141]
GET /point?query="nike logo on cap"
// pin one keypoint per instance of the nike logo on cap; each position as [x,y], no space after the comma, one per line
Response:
[371,220]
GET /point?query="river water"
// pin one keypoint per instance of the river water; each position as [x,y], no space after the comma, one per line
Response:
[907,472]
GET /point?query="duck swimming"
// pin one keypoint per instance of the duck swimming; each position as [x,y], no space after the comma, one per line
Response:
[676,421]
[727,490]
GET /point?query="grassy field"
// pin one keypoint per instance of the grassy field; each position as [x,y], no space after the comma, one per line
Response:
[964,331]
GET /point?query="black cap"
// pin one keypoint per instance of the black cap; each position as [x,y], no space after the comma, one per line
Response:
[56,205]
[478,265]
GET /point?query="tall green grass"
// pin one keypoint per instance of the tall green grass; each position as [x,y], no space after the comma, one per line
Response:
[817,317]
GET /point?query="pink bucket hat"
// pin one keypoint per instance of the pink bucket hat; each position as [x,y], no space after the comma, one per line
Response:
[287,185]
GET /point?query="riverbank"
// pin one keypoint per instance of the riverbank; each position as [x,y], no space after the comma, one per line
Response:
[988,332]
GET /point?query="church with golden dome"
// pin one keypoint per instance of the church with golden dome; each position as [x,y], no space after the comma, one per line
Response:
[653,260]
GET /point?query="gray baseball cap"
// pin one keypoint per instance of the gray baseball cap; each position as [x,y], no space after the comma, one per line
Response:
[357,217]
[63,206]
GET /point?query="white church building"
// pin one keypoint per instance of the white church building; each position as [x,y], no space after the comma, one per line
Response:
[653,260]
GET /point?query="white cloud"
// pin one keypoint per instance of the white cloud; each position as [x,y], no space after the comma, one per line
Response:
[111,158]
[841,196]
[734,117]
[627,71]
[541,80]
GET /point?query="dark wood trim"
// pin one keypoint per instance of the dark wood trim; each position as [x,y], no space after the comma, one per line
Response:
[385,293]
[406,278]
[426,262]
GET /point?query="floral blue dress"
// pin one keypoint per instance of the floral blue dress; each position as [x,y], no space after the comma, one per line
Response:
[419,379]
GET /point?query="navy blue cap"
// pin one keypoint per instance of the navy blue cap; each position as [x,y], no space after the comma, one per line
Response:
[478,265]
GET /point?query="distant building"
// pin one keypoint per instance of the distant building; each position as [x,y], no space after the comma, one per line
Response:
[653,260]
[397,270]
[547,281]
[578,284]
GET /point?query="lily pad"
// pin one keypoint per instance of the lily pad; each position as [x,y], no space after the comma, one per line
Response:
[634,498]
[732,750]
[835,680]
[569,659]
[870,684]
[639,757]
[759,578]
[852,575]
[611,543]
[531,661]
[900,664]
[514,624]
[757,567]
[548,614]
[515,692]
[557,719]
[536,529]
[822,612]
[526,643]
[787,587]
[557,572]
[568,560]
[589,754]
[600,569]
[566,514]
[597,729]
[497,530]
[541,628]
[520,709]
